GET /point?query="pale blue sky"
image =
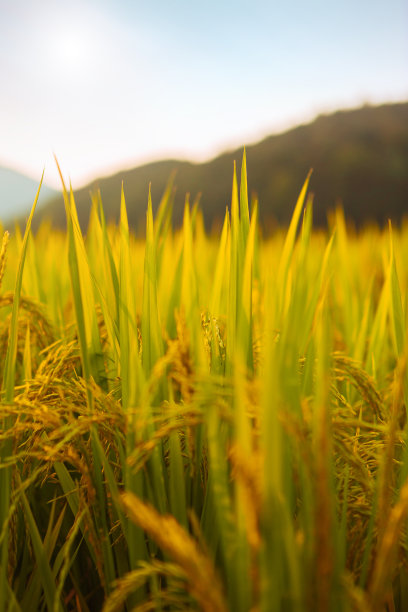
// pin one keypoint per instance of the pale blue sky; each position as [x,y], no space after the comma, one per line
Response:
[109,84]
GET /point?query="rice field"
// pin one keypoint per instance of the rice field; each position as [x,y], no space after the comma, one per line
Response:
[204,422]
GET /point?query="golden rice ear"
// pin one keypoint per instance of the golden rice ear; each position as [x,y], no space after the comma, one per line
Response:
[174,540]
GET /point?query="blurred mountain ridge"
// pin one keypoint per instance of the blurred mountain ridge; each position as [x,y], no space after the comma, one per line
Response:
[359,158]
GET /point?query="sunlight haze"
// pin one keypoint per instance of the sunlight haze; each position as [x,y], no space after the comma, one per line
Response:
[107,85]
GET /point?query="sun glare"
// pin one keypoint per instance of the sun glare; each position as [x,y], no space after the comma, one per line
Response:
[73,50]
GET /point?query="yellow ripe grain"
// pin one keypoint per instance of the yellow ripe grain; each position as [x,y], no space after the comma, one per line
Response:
[203,582]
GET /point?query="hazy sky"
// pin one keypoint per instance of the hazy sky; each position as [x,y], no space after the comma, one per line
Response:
[107,84]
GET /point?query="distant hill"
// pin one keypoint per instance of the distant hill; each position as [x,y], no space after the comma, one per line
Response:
[17,193]
[359,157]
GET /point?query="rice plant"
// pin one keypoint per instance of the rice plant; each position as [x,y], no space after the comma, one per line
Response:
[203,422]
